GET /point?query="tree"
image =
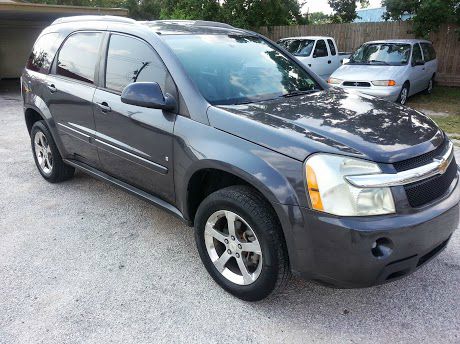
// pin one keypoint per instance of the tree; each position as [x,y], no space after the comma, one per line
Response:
[256,13]
[319,18]
[428,15]
[345,10]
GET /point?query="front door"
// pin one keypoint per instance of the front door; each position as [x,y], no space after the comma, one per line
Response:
[134,143]
[69,94]
[320,59]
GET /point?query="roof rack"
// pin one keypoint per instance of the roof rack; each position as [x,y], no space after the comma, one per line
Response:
[194,23]
[93,18]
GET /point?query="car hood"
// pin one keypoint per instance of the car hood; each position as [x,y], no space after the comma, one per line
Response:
[366,72]
[333,121]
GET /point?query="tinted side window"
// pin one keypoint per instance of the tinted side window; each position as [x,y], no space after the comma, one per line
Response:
[428,51]
[416,53]
[78,56]
[43,53]
[131,60]
[331,47]
[320,49]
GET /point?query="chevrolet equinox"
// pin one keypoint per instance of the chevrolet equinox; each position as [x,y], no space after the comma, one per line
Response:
[277,172]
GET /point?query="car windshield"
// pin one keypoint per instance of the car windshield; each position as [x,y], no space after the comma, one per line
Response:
[394,54]
[236,69]
[298,47]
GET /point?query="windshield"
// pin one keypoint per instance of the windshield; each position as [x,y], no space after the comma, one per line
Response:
[236,69]
[382,53]
[298,47]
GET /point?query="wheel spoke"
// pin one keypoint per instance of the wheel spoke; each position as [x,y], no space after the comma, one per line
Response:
[211,231]
[221,261]
[244,271]
[230,222]
[252,246]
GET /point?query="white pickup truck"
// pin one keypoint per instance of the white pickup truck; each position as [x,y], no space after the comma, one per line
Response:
[319,53]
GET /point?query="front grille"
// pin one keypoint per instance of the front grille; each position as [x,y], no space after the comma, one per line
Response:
[430,189]
[357,83]
[420,160]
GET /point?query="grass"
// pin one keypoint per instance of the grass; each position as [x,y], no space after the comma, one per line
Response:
[443,106]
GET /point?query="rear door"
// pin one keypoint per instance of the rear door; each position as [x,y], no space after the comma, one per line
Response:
[69,94]
[134,143]
[333,61]
[320,59]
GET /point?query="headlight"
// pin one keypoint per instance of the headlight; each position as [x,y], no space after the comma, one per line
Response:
[334,81]
[384,83]
[331,193]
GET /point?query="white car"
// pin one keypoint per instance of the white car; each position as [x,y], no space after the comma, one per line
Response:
[391,69]
[319,53]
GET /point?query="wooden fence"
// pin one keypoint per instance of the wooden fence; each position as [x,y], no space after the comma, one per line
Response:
[350,36]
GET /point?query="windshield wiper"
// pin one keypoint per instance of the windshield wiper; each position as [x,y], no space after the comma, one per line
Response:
[299,93]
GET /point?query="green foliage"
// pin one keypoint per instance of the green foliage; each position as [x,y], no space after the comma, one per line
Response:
[319,18]
[241,13]
[345,10]
[428,15]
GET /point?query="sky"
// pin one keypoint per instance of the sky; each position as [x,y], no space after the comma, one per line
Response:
[322,6]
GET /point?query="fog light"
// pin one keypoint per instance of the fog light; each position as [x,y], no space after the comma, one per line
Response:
[382,248]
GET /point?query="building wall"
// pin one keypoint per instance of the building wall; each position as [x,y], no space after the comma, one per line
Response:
[16,41]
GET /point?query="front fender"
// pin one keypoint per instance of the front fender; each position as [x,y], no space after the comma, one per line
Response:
[199,146]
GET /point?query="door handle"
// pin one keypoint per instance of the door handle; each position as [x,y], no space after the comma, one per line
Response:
[52,88]
[329,62]
[104,107]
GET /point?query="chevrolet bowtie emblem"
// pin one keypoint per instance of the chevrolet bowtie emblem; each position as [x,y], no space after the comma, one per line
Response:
[443,164]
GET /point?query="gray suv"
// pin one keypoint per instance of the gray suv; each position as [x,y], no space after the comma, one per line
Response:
[277,172]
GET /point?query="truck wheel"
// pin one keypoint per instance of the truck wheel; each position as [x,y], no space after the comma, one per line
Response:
[46,155]
[240,242]
[404,94]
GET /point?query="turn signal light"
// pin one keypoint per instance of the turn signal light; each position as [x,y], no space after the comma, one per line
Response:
[313,190]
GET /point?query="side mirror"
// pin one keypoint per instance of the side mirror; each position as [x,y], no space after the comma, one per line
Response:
[149,95]
[418,63]
[345,61]
[314,56]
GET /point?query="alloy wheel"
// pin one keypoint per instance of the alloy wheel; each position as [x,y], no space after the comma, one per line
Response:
[43,152]
[233,247]
[403,96]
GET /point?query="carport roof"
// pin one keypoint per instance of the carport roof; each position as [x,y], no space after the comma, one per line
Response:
[13,10]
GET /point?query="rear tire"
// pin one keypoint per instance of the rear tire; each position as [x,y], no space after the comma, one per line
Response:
[46,155]
[404,94]
[430,87]
[253,238]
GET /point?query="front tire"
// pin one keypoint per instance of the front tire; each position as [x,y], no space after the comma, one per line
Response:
[240,243]
[403,95]
[46,155]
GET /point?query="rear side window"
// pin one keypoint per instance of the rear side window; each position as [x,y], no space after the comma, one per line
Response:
[131,60]
[43,53]
[78,56]
[428,52]
[331,47]
[320,49]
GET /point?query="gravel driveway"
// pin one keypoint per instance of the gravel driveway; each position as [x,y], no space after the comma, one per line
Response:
[84,262]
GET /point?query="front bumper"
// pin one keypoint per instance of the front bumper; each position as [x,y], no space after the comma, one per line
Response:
[390,93]
[338,251]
